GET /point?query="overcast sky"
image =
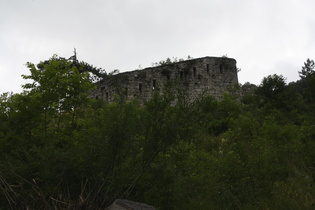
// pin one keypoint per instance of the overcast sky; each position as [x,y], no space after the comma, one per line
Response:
[264,36]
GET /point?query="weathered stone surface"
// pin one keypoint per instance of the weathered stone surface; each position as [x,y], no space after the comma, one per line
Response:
[121,204]
[210,75]
[247,88]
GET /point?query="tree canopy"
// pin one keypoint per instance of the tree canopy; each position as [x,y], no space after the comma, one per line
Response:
[61,149]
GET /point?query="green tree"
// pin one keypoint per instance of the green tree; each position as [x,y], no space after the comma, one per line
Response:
[37,144]
[307,69]
[61,89]
[270,90]
[307,83]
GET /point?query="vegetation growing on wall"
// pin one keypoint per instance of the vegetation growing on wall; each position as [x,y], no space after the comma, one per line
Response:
[61,149]
[169,61]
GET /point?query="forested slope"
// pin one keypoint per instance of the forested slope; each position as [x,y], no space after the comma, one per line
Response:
[59,148]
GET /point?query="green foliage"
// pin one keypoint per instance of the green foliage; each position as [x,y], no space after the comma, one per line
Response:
[307,82]
[307,69]
[60,149]
[169,61]
[270,90]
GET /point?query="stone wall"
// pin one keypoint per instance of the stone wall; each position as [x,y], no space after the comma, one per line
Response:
[210,75]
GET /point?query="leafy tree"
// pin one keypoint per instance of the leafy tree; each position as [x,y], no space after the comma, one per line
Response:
[270,90]
[60,87]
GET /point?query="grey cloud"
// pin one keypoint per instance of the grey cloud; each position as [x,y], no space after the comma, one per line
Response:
[123,34]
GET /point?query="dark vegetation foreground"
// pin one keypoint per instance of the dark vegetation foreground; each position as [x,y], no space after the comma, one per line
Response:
[61,149]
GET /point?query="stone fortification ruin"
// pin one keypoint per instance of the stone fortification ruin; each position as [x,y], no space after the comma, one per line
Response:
[207,75]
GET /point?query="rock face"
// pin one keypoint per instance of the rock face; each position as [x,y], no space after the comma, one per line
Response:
[210,75]
[121,204]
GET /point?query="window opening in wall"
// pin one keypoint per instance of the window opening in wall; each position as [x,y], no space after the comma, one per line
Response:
[96,97]
[153,84]
[140,87]
[181,74]
[195,71]
[102,88]
[208,68]
[168,77]
[221,68]
[106,96]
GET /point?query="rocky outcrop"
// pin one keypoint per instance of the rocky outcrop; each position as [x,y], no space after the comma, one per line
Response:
[121,204]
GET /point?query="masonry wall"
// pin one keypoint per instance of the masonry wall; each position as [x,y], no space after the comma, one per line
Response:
[210,75]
